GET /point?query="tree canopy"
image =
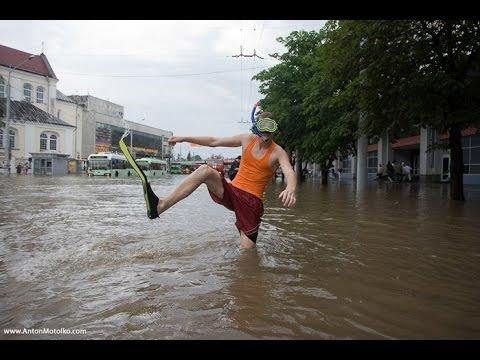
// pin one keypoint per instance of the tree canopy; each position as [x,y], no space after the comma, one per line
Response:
[400,75]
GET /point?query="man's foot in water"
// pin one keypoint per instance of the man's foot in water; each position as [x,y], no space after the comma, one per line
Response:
[152,202]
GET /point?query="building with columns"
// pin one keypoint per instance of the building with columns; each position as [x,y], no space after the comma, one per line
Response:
[428,165]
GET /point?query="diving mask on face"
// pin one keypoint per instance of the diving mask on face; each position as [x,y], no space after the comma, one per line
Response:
[266,125]
[262,127]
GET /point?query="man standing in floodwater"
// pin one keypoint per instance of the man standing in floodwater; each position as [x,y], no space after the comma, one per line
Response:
[245,194]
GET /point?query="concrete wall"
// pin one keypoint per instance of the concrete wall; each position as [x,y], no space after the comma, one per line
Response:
[18,149]
[73,115]
[99,106]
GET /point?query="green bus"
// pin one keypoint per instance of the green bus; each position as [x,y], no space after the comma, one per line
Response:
[175,168]
[152,167]
[109,164]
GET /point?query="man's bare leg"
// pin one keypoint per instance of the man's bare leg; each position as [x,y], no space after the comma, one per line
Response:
[203,175]
[245,242]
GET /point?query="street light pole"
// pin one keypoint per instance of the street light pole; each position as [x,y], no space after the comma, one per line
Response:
[6,134]
[131,141]
[8,150]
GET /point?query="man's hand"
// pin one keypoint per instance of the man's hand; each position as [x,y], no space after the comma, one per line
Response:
[174,139]
[288,197]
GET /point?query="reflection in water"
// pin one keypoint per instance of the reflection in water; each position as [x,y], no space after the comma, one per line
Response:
[394,261]
[248,290]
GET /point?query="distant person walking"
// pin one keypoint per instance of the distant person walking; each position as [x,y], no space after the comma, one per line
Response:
[407,171]
[234,168]
[390,171]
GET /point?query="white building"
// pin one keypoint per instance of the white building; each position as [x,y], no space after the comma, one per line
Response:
[35,132]
[58,130]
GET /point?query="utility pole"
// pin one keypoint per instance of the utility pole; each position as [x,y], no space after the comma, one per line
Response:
[6,135]
[131,141]
[244,55]
[161,147]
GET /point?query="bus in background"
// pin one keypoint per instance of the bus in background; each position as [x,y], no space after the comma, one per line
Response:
[175,167]
[108,164]
[152,167]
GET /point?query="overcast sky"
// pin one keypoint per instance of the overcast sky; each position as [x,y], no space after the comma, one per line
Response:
[156,69]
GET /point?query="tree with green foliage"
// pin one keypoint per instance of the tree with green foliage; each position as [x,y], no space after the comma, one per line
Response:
[409,74]
[189,156]
[197,158]
[332,123]
[284,88]
[311,118]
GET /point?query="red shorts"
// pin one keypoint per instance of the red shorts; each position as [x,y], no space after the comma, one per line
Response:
[247,207]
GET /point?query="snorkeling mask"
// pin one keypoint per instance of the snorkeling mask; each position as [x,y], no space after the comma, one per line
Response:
[260,126]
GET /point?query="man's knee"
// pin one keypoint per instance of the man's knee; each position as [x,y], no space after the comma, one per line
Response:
[205,171]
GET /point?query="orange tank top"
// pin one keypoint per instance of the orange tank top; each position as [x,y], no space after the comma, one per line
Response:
[254,173]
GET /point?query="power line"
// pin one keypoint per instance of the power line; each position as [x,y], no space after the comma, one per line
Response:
[139,53]
[163,75]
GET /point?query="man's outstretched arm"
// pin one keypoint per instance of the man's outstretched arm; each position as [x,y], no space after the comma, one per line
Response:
[287,195]
[232,141]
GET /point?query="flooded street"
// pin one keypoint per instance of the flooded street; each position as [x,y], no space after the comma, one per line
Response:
[398,261]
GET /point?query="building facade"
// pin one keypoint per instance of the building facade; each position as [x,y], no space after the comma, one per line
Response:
[429,164]
[102,124]
[68,128]
[39,141]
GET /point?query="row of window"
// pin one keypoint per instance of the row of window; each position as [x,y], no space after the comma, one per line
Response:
[27,91]
[471,154]
[48,141]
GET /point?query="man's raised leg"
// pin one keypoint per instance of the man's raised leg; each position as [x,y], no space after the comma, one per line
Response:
[203,175]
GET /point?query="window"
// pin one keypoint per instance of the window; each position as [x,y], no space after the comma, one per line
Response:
[53,142]
[347,165]
[27,92]
[48,141]
[40,94]
[2,88]
[372,161]
[12,139]
[471,154]
[43,142]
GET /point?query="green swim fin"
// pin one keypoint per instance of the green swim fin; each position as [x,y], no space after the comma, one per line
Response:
[151,199]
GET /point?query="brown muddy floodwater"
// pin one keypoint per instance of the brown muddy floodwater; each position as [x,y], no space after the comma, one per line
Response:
[398,261]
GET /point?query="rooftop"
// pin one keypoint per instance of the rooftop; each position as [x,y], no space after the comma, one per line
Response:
[39,65]
[22,111]
[61,96]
